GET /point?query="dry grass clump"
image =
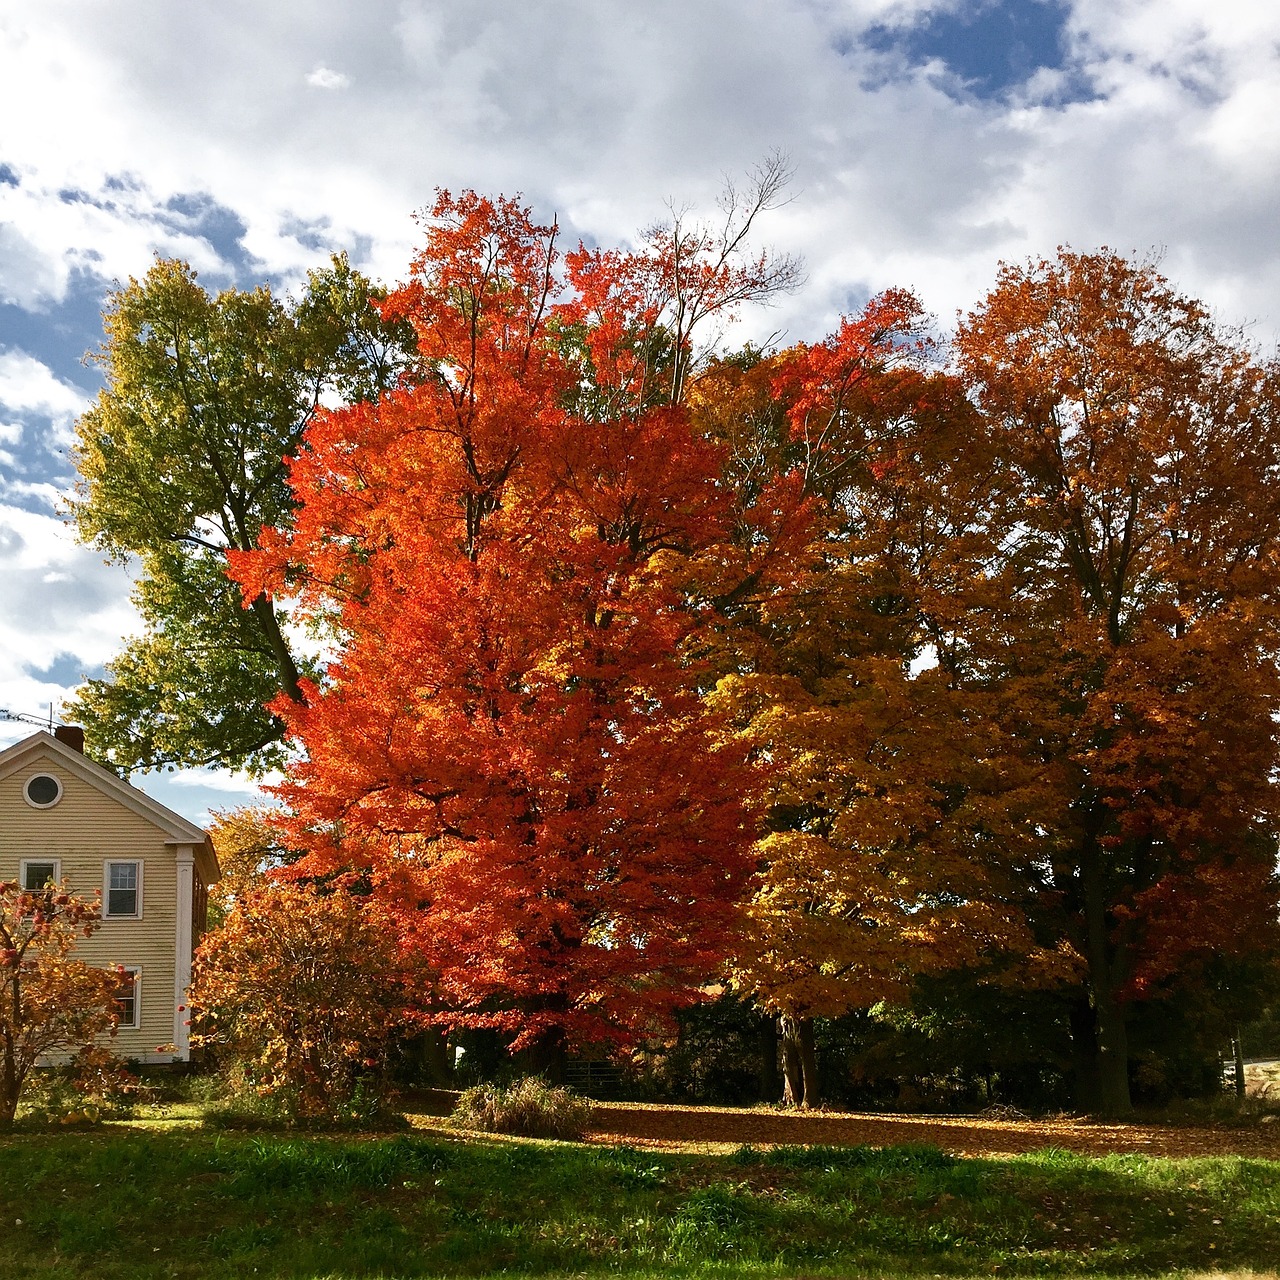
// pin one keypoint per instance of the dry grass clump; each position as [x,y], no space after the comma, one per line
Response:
[530,1107]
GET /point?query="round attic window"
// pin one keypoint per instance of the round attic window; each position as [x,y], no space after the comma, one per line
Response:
[43,791]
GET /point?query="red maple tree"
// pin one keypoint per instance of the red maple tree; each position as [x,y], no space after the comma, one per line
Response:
[508,742]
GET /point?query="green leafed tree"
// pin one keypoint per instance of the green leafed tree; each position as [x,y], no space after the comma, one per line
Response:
[182,458]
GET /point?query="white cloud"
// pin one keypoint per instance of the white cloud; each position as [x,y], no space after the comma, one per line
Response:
[597,112]
[219,780]
[327,78]
[27,273]
[27,385]
[62,604]
[600,112]
[107,226]
[65,612]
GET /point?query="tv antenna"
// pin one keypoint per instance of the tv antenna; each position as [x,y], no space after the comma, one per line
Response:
[43,721]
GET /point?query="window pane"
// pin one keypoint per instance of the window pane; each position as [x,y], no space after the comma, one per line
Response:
[127,1000]
[38,874]
[43,790]
[124,875]
[122,889]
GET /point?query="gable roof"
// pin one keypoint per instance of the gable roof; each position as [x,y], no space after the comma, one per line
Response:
[177,829]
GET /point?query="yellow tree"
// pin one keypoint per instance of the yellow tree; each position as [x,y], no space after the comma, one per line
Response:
[249,845]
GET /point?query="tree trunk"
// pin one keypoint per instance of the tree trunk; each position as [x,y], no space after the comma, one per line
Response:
[433,1053]
[316,1090]
[1084,1055]
[1113,1056]
[286,668]
[1237,1046]
[770,1083]
[1105,968]
[799,1062]
[792,1071]
[10,1088]
[809,1065]
[546,1057]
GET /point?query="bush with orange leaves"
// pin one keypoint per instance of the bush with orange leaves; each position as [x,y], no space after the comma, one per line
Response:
[301,987]
[50,1002]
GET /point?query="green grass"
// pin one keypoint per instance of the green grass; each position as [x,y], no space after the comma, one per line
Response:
[119,1202]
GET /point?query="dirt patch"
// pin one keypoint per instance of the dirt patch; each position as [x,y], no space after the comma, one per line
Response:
[667,1127]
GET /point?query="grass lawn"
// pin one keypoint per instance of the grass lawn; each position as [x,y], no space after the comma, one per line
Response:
[119,1201]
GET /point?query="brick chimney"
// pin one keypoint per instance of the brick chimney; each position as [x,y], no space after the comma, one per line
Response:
[72,735]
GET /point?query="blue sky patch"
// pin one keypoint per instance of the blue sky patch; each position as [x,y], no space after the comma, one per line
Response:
[198,213]
[57,335]
[992,45]
[9,176]
[315,234]
[67,670]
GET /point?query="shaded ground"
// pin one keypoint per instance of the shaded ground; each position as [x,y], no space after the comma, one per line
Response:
[102,1204]
[665,1127]
[717,1130]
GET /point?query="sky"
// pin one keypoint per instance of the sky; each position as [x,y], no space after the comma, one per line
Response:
[930,140]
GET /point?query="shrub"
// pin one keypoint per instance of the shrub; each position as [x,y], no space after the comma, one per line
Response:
[529,1107]
[233,1100]
[301,987]
[94,1086]
[50,1002]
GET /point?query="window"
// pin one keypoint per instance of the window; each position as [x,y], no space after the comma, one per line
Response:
[129,1001]
[36,874]
[122,890]
[42,791]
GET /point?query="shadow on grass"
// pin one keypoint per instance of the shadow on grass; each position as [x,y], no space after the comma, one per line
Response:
[147,1204]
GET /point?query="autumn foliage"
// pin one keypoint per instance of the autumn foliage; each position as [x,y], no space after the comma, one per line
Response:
[821,670]
[880,802]
[509,745]
[1130,641]
[302,986]
[50,1002]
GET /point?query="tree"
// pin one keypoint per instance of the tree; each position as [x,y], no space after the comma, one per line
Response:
[1121,620]
[509,746]
[878,777]
[248,844]
[182,459]
[635,313]
[304,985]
[50,1002]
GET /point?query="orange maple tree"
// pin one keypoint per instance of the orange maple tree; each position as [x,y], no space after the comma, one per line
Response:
[1018,699]
[508,744]
[879,791]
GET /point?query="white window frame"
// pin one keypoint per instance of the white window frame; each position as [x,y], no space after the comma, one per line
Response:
[136,970]
[42,773]
[107,913]
[38,862]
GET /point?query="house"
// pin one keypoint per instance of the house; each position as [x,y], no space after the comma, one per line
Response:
[63,817]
